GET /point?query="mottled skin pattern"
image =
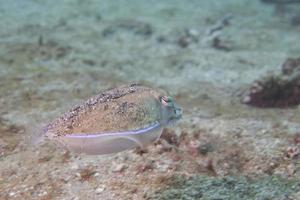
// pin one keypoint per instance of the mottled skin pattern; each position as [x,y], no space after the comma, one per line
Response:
[124,108]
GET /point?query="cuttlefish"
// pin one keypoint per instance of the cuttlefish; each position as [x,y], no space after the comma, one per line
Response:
[115,120]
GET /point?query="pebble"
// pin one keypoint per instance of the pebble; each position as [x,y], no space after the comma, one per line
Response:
[75,166]
[163,166]
[292,152]
[291,169]
[44,193]
[145,167]
[11,194]
[100,189]
[119,167]
[193,32]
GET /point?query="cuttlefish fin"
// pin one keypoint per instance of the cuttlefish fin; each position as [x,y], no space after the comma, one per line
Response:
[107,143]
[144,139]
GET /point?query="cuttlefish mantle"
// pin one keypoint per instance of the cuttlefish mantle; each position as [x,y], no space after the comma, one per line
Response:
[115,120]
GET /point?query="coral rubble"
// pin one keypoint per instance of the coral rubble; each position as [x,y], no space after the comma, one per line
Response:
[277,91]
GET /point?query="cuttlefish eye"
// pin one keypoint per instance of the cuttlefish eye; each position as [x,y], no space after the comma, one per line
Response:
[165,100]
[171,111]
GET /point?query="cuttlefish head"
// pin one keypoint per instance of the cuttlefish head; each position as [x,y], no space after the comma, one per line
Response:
[170,111]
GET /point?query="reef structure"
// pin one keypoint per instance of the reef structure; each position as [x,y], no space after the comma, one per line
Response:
[277,91]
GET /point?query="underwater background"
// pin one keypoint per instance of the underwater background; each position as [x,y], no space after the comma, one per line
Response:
[233,67]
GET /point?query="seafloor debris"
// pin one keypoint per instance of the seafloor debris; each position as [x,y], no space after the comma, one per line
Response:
[86,174]
[203,187]
[220,24]
[277,91]
[290,66]
[215,34]
[187,37]
[44,50]
[148,165]
[218,43]
[283,8]
[134,26]
[119,168]
[202,153]
[170,136]
[292,152]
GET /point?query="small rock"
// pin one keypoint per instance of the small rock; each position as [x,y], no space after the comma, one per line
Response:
[43,193]
[290,65]
[11,194]
[170,136]
[192,33]
[100,189]
[205,148]
[291,169]
[193,148]
[276,90]
[292,152]
[74,166]
[86,174]
[140,151]
[163,166]
[184,41]
[296,138]
[145,167]
[119,167]
[220,44]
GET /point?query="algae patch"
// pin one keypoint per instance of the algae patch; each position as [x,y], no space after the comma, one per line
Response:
[234,188]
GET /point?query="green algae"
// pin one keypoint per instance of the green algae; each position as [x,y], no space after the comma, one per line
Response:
[233,188]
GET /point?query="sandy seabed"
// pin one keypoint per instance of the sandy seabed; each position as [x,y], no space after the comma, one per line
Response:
[55,54]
